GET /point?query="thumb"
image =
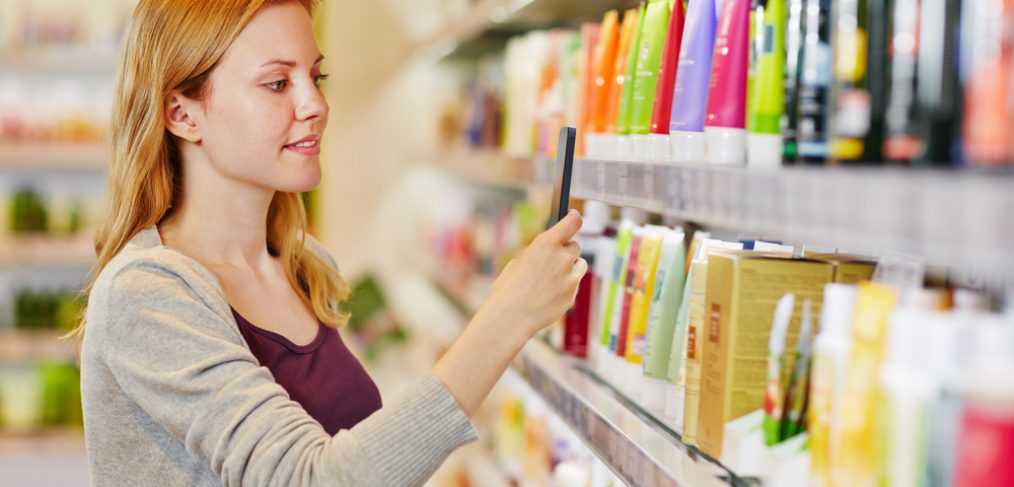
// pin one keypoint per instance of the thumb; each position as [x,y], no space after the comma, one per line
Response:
[565,229]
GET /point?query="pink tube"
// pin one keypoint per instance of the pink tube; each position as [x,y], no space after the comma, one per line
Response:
[727,93]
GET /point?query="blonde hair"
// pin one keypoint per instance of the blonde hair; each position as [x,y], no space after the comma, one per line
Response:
[175,44]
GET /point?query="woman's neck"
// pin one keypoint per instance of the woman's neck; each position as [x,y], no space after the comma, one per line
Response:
[219,221]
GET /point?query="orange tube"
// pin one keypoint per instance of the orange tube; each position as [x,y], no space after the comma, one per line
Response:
[602,72]
[627,29]
[589,37]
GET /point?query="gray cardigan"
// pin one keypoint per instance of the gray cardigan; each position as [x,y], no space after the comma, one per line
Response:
[173,396]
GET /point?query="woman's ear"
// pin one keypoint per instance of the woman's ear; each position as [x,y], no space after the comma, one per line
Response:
[179,117]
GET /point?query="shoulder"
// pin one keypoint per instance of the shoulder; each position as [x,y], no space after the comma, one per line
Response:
[148,285]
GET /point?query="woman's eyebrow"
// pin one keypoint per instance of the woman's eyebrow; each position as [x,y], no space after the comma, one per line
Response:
[291,64]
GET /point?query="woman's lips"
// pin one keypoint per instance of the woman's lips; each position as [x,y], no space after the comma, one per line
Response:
[305,148]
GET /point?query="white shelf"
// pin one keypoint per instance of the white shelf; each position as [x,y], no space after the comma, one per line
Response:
[91,157]
[59,60]
[957,218]
[48,252]
[21,347]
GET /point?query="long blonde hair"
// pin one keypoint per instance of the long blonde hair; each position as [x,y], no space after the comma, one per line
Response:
[175,44]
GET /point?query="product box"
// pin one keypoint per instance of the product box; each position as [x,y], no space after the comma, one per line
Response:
[743,290]
[848,269]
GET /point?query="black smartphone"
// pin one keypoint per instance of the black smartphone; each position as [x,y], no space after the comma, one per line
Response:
[561,180]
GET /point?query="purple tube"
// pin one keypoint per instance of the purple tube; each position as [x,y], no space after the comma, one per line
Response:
[693,76]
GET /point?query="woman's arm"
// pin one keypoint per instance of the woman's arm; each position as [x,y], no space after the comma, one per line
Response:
[191,389]
[532,292]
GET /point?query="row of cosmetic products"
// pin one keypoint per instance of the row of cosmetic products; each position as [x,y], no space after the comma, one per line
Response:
[38,396]
[721,341]
[54,111]
[28,25]
[764,83]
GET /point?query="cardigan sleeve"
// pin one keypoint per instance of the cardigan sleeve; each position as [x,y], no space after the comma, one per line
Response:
[185,366]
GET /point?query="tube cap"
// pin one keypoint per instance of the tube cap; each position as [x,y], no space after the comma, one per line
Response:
[596,217]
[725,146]
[836,313]
[607,147]
[687,147]
[763,151]
[624,148]
[658,148]
[641,147]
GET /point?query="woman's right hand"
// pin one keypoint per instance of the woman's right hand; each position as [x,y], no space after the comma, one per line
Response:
[537,287]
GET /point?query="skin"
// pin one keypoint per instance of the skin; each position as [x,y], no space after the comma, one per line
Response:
[234,146]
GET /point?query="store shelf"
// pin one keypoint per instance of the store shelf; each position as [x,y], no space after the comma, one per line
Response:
[488,26]
[46,252]
[25,157]
[630,441]
[21,347]
[957,218]
[59,60]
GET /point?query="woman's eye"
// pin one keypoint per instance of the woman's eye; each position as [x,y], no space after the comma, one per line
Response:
[277,85]
[317,80]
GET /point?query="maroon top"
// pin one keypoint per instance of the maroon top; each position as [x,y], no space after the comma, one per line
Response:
[322,376]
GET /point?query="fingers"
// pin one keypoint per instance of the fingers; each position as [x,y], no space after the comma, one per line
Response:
[565,229]
[572,248]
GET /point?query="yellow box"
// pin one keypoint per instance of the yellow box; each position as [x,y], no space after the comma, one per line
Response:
[848,269]
[743,291]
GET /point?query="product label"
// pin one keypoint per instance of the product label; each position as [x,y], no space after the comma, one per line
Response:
[714,324]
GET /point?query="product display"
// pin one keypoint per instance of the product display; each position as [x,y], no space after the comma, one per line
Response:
[773,82]
[795,218]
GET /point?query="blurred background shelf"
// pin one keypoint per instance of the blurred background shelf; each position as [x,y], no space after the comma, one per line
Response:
[26,346]
[488,25]
[60,60]
[46,252]
[21,157]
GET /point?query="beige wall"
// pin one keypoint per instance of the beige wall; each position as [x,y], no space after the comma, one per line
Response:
[383,102]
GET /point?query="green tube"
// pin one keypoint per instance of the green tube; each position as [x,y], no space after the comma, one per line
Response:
[767,98]
[665,304]
[618,277]
[627,98]
[649,60]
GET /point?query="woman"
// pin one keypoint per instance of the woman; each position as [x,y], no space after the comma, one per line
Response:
[217,129]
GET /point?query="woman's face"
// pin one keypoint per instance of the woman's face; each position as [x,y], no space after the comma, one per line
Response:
[263,113]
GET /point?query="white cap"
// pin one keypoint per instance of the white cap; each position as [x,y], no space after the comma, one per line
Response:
[836,313]
[635,215]
[596,217]
[687,147]
[941,347]
[605,251]
[903,347]
[624,148]
[658,147]
[726,146]
[593,145]
[570,474]
[641,147]
[608,147]
[763,151]
[969,300]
